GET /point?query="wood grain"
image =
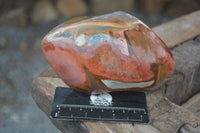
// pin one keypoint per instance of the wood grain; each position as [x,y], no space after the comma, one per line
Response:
[179,30]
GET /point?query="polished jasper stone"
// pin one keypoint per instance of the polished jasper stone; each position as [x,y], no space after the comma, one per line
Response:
[112,52]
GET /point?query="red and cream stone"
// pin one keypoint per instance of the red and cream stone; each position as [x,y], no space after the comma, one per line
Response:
[112,52]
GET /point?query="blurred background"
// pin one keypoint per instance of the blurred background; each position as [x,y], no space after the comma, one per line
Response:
[23,23]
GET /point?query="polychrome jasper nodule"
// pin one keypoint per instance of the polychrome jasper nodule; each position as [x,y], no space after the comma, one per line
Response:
[112,52]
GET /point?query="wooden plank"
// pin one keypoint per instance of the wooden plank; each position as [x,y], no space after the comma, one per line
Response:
[180,29]
[100,127]
[164,115]
[193,104]
[185,82]
[167,116]
[188,129]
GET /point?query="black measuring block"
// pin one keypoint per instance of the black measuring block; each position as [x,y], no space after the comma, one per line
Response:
[125,106]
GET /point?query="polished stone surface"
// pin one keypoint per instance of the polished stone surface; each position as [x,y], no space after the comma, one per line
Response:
[112,52]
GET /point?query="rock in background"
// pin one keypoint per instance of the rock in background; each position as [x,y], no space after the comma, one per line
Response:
[181,7]
[71,8]
[43,11]
[15,17]
[154,6]
[106,6]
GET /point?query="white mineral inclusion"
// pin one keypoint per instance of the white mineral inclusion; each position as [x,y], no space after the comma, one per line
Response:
[122,44]
[104,99]
[80,40]
[120,85]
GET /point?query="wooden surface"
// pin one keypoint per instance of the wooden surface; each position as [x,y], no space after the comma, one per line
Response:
[178,30]
[186,80]
[165,116]
[193,104]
